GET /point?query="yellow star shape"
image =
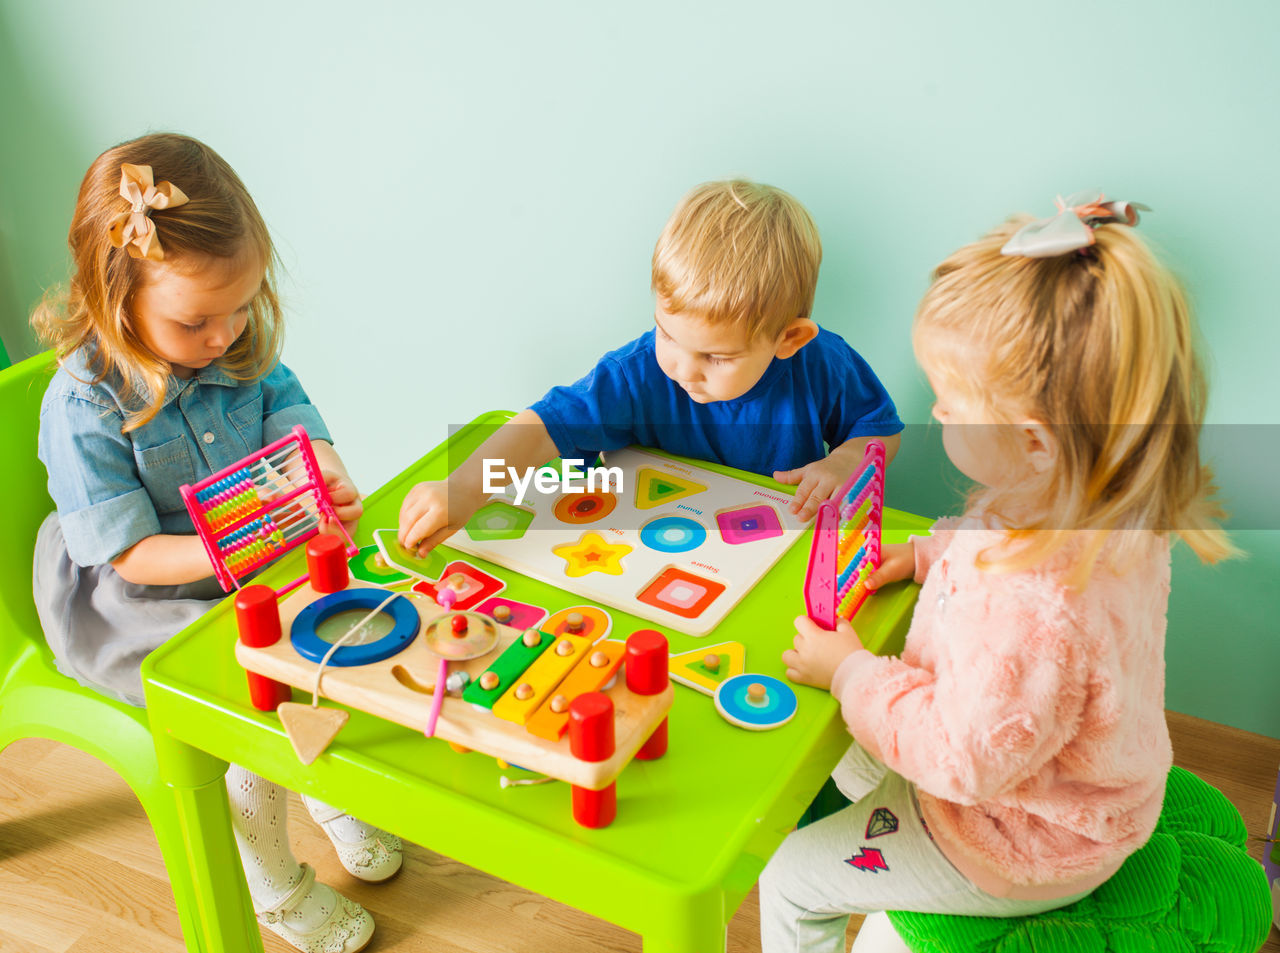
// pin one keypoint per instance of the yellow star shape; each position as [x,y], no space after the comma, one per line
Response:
[592,554]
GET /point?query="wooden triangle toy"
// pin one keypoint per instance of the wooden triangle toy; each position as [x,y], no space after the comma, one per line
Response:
[704,668]
[310,729]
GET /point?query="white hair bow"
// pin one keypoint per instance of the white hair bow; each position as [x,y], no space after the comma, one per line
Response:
[1072,228]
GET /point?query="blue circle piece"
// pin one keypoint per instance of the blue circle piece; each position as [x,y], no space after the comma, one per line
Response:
[307,642]
[779,705]
[673,534]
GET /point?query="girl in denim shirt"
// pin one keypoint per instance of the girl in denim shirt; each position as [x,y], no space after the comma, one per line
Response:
[168,342]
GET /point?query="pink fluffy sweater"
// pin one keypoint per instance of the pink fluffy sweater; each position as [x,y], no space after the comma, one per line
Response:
[1029,716]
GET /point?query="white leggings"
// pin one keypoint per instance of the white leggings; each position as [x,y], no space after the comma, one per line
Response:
[874,855]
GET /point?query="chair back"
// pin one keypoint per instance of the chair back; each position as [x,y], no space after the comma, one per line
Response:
[26,502]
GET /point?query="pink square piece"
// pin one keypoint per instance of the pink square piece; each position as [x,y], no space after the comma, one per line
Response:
[681,593]
[522,615]
[749,524]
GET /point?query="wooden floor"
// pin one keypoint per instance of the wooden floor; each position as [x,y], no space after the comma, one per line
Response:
[80,871]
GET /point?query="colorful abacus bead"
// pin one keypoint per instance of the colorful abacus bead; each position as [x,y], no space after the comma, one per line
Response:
[221,486]
[233,509]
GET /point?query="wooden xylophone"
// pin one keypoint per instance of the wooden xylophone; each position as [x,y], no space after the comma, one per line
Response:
[572,706]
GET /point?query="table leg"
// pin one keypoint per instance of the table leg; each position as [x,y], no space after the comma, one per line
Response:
[710,938]
[696,926]
[212,877]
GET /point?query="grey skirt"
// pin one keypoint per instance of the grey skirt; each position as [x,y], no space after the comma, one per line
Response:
[101,627]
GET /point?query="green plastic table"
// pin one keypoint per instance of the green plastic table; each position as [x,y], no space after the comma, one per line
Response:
[694,828]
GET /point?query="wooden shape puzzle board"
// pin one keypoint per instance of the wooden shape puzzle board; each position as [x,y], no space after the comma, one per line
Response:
[679,546]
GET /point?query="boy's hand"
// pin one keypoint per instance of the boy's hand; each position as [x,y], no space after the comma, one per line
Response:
[818,481]
[897,561]
[432,512]
[347,505]
[818,653]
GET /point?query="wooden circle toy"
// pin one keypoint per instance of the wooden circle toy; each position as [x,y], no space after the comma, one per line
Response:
[673,534]
[584,507]
[308,642]
[756,702]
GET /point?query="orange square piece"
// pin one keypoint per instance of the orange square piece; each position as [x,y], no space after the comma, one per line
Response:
[681,593]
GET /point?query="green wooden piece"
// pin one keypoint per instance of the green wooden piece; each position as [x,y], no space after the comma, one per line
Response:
[364,566]
[508,666]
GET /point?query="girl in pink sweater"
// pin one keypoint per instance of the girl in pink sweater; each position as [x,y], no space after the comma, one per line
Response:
[1016,753]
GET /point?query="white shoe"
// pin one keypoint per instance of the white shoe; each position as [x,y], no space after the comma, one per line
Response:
[374,858]
[346,929]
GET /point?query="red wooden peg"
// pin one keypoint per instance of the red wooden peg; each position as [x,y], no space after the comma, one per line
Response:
[327,563]
[647,675]
[591,739]
[258,619]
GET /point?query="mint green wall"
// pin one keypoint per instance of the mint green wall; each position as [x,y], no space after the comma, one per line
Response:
[466,195]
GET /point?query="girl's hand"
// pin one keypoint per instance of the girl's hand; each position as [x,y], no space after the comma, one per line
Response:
[817,481]
[347,505]
[818,653]
[897,561]
[428,517]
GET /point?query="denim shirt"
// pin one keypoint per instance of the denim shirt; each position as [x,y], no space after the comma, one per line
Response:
[115,489]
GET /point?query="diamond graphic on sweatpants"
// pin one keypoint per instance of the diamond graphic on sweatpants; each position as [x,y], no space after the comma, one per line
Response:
[883,821]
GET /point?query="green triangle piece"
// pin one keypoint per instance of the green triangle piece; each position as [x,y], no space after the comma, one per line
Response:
[654,488]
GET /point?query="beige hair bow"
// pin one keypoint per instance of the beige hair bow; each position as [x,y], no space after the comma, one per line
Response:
[134,228]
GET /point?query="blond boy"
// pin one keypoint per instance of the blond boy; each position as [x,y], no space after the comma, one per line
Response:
[734,371]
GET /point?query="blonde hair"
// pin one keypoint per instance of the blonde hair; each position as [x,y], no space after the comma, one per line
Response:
[220,222]
[1100,347]
[739,253]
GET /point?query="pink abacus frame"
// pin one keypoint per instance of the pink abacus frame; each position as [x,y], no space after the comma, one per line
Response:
[846,543]
[261,507]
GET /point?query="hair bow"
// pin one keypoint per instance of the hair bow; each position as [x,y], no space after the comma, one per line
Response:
[1072,228]
[134,228]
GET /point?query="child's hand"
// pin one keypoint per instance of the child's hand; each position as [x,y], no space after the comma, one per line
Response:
[818,653]
[817,481]
[897,561]
[347,505]
[428,517]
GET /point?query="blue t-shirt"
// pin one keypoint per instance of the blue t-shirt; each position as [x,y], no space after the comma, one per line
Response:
[115,489]
[818,398]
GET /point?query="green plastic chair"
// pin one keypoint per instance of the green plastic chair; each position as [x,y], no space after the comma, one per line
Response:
[36,700]
[1191,889]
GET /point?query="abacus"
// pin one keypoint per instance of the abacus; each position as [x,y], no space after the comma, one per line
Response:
[260,507]
[846,543]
